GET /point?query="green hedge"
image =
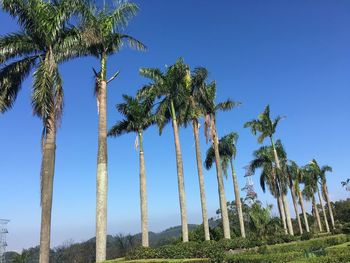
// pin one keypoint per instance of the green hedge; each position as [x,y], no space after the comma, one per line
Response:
[216,251]
[263,258]
[208,249]
[333,255]
[309,245]
[191,260]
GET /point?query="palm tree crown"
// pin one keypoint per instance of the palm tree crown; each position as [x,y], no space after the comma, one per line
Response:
[137,116]
[263,125]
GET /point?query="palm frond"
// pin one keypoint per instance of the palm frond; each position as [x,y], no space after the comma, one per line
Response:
[119,128]
[15,45]
[210,158]
[11,78]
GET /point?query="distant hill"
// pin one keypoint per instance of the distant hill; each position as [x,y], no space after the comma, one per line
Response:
[117,246]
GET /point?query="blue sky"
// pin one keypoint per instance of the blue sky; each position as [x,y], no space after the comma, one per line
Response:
[293,55]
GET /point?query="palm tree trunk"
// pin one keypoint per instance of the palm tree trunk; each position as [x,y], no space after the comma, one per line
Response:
[288,217]
[295,204]
[318,220]
[180,176]
[238,200]
[221,187]
[284,198]
[325,190]
[282,214]
[101,176]
[47,175]
[301,202]
[143,195]
[323,210]
[201,180]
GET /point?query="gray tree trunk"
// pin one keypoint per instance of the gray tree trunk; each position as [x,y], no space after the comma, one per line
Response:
[238,201]
[301,202]
[143,196]
[201,180]
[47,176]
[180,181]
[325,190]
[283,214]
[221,187]
[101,177]
[288,217]
[318,220]
[323,210]
[295,204]
[284,198]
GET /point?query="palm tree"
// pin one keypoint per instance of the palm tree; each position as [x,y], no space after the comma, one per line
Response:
[210,108]
[191,114]
[20,258]
[101,30]
[292,171]
[227,150]
[264,159]
[298,178]
[170,88]
[44,41]
[267,127]
[310,188]
[137,118]
[315,172]
[325,193]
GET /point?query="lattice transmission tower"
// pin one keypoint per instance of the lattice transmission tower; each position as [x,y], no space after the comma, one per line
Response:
[3,244]
[249,186]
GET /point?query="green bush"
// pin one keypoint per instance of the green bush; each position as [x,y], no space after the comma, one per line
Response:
[346,228]
[281,238]
[309,245]
[306,236]
[263,258]
[333,255]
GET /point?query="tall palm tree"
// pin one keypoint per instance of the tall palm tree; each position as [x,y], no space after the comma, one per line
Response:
[191,113]
[310,188]
[298,179]
[325,193]
[101,30]
[266,127]
[264,159]
[227,150]
[137,118]
[315,172]
[292,171]
[211,108]
[170,89]
[44,41]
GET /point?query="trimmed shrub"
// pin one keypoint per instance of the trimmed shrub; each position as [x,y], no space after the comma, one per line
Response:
[307,236]
[309,245]
[263,258]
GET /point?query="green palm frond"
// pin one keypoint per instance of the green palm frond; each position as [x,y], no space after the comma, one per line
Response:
[263,126]
[210,158]
[153,74]
[120,128]
[15,45]
[120,17]
[43,100]
[137,116]
[11,78]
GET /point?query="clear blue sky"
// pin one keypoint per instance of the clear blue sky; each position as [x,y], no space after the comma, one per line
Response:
[293,55]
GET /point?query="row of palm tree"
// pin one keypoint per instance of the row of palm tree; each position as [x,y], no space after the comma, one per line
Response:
[182,97]
[47,39]
[280,174]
